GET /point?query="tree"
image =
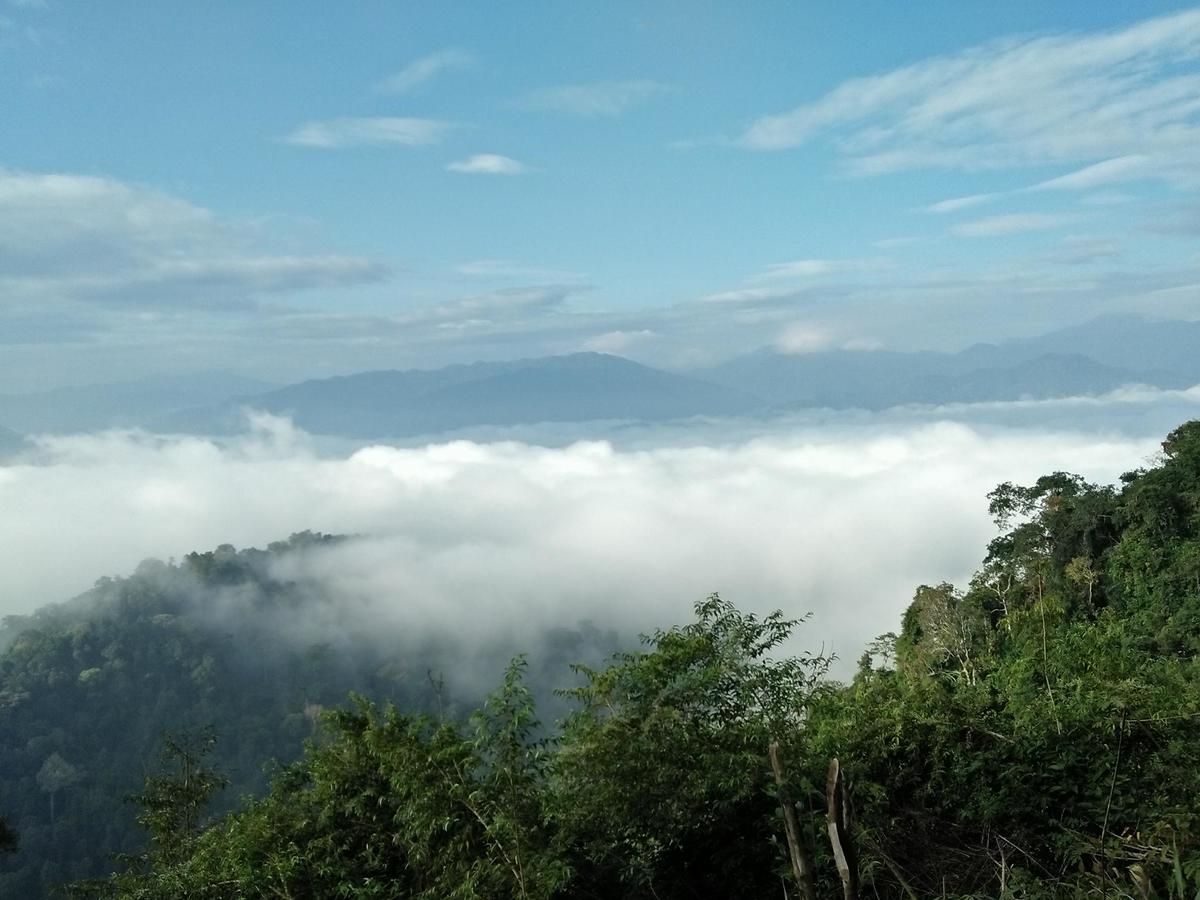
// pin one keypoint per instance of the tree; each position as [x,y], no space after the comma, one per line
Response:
[661,780]
[943,629]
[174,800]
[54,775]
[8,838]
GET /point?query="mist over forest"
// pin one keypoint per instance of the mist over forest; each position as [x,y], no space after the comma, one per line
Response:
[488,538]
[573,452]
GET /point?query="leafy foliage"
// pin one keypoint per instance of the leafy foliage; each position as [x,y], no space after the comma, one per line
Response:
[1037,732]
[660,778]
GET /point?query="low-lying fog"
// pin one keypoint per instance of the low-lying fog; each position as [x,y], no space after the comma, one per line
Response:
[840,515]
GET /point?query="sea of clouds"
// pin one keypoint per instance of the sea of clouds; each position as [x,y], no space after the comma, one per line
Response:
[499,539]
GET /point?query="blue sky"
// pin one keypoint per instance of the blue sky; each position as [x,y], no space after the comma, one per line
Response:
[297,189]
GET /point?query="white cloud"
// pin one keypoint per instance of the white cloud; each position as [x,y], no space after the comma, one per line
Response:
[493,306]
[814,268]
[810,337]
[365,132]
[503,538]
[893,243]
[81,237]
[954,204]
[1123,168]
[1109,171]
[488,164]
[422,70]
[617,341]
[1032,100]
[750,295]
[597,99]
[800,268]
[1012,223]
[803,337]
[505,268]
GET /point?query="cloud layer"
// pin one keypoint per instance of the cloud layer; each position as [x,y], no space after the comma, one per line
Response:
[488,538]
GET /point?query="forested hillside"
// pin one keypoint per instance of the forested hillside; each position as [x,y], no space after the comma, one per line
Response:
[222,640]
[1032,734]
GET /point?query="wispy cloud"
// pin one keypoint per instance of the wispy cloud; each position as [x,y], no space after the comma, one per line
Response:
[506,268]
[1046,99]
[814,268]
[800,268]
[1081,250]
[363,132]
[496,306]
[488,164]
[1109,171]
[1122,168]
[954,204]
[596,99]
[425,69]
[1013,223]
[67,237]
[616,341]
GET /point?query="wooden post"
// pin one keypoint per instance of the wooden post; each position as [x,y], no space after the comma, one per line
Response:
[801,867]
[840,824]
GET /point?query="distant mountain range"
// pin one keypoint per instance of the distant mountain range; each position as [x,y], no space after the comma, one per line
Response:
[1124,342]
[880,379]
[573,388]
[126,404]
[1087,359]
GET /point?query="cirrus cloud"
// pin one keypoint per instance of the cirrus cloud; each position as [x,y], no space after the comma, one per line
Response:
[333,134]
[1018,101]
[420,71]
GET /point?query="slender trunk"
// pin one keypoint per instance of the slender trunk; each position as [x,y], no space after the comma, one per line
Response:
[1046,668]
[840,823]
[801,867]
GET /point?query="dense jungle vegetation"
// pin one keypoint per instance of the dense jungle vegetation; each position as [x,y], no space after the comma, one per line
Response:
[1033,734]
[232,641]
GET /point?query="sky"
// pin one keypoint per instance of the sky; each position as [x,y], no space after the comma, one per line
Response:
[292,190]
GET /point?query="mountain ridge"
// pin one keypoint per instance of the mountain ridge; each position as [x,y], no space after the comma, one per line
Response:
[397,403]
